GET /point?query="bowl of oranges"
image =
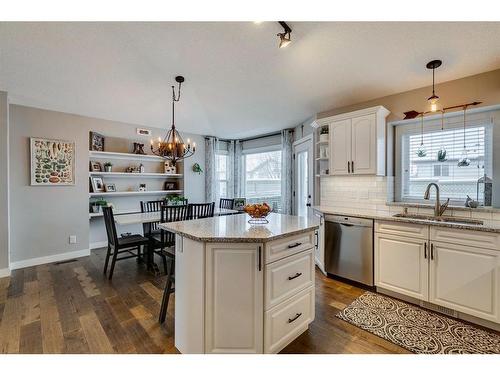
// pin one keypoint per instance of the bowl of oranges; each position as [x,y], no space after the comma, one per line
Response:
[257,212]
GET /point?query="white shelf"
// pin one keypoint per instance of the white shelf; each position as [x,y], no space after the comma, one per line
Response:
[128,193]
[322,175]
[322,142]
[135,175]
[317,159]
[115,212]
[123,155]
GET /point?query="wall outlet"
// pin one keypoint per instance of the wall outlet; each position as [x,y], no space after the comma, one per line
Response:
[72,239]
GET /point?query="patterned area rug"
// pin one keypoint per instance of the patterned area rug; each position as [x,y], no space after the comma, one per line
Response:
[416,329]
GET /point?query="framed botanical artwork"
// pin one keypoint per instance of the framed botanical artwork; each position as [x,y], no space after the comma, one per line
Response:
[97,184]
[52,162]
[96,142]
[110,187]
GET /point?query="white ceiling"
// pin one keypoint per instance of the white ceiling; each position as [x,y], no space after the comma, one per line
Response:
[238,83]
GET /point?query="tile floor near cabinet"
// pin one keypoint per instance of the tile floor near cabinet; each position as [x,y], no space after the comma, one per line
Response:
[70,307]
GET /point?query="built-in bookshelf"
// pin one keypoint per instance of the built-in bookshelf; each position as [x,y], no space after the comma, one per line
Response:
[132,178]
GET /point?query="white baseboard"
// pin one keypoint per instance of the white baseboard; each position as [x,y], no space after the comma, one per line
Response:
[4,272]
[98,245]
[49,259]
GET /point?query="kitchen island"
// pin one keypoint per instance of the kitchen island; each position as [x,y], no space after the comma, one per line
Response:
[242,288]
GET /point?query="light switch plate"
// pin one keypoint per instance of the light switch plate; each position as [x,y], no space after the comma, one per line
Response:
[72,239]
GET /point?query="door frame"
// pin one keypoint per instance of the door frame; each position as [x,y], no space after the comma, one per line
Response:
[307,138]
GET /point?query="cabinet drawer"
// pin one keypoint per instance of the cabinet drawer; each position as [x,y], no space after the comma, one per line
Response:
[402,229]
[288,320]
[486,240]
[288,276]
[278,249]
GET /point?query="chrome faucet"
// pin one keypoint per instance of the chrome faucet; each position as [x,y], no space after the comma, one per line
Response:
[438,208]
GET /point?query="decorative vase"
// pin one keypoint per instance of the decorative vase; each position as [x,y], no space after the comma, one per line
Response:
[107,168]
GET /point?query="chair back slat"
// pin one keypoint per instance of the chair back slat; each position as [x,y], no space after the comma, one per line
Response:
[151,206]
[226,203]
[109,222]
[201,210]
[170,214]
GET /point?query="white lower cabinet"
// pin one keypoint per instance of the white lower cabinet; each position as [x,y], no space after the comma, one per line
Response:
[466,279]
[401,264]
[234,298]
[319,248]
[451,274]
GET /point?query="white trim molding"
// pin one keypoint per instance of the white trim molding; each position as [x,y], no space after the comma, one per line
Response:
[98,245]
[4,272]
[49,259]
[379,110]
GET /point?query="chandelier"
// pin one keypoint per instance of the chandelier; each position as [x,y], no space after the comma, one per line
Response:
[172,147]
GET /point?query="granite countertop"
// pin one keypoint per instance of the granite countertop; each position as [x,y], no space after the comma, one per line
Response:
[235,228]
[487,226]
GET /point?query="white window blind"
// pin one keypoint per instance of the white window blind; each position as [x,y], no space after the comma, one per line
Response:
[455,182]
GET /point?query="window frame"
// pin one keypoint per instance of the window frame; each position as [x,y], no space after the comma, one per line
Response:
[253,151]
[224,153]
[453,120]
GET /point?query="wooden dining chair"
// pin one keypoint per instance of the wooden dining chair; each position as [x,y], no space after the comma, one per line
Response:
[150,229]
[121,245]
[164,246]
[201,210]
[226,203]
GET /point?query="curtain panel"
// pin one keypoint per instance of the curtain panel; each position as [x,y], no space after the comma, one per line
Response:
[286,171]
[211,185]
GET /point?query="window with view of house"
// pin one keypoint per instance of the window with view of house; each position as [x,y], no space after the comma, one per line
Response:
[222,173]
[414,171]
[262,177]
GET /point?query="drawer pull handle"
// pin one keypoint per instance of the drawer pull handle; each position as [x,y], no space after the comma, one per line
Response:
[294,245]
[297,316]
[294,277]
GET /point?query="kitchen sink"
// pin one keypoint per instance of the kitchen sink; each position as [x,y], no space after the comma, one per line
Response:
[445,219]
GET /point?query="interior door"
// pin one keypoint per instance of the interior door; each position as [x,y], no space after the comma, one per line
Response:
[340,147]
[303,177]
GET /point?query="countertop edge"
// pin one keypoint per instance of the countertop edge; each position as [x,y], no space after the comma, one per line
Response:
[390,217]
[242,239]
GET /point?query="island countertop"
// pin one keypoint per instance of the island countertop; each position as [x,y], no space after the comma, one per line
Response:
[235,228]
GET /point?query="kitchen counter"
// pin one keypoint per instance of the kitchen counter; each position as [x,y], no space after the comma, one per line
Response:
[487,226]
[243,288]
[235,228]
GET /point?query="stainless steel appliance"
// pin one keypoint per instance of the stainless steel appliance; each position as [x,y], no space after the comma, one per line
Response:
[349,248]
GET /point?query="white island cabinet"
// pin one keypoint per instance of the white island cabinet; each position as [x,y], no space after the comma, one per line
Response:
[243,288]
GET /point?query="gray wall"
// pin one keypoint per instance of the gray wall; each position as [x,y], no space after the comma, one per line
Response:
[4,181]
[43,218]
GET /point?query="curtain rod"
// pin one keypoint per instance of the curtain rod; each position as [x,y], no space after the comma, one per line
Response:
[253,138]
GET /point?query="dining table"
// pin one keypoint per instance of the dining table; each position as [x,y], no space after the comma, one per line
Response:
[155,216]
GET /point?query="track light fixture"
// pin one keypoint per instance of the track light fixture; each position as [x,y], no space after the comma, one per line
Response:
[285,37]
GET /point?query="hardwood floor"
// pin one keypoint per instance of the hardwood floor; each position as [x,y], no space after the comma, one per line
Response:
[71,307]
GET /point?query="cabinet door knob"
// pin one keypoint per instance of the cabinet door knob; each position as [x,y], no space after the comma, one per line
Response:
[297,316]
[295,276]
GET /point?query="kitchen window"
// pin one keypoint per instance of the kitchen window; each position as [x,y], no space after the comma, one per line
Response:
[262,176]
[414,172]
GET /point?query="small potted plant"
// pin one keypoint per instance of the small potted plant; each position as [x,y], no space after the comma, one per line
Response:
[97,206]
[175,200]
[108,166]
[323,134]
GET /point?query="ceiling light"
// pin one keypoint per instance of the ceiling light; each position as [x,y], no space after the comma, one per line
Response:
[433,99]
[285,37]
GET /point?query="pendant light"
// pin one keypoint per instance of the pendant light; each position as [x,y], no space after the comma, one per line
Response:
[285,36]
[433,99]
[172,147]
[464,159]
[441,155]
[421,151]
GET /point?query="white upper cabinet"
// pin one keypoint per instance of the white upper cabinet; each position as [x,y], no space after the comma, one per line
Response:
[357,142]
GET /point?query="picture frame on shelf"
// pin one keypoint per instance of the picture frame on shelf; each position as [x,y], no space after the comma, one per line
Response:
[169,185]
[96,141]
[169,167]
[95,166]
[110,188]
[97,184]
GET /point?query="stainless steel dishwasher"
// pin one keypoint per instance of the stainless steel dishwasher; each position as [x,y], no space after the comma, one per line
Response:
[349,248]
